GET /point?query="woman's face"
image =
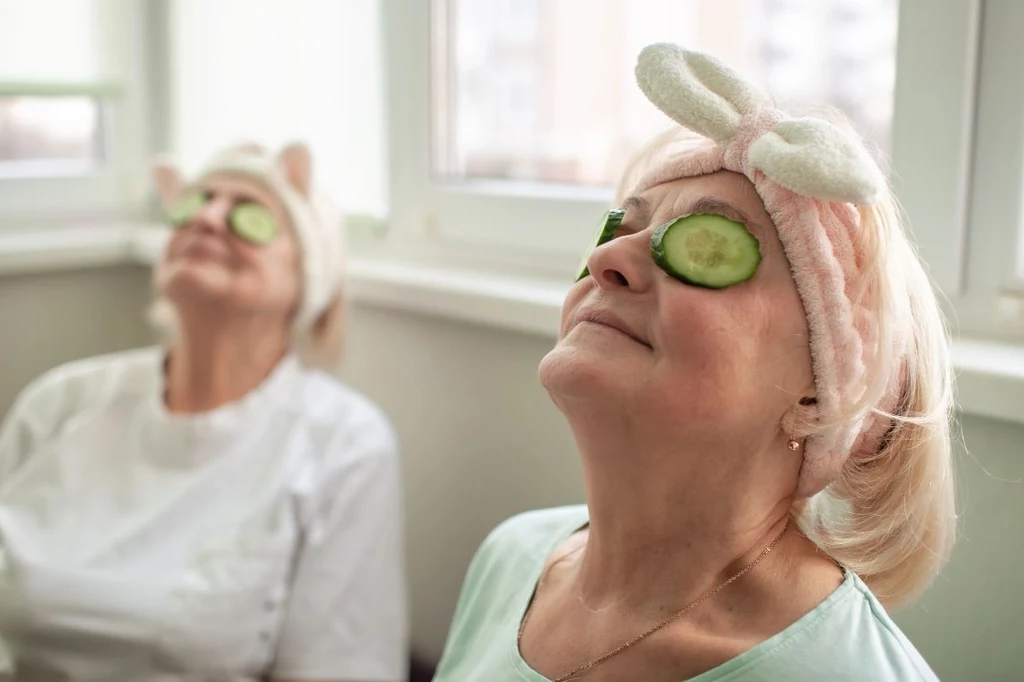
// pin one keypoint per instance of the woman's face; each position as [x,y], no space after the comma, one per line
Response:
[699,362]
[206,264]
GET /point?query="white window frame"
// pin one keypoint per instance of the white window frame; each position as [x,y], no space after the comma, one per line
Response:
[541,229]
[990,301]
[118,189]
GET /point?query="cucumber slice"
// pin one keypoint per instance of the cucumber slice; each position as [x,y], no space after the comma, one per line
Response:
[186,207]
[706,250]
[606,230]
[253,223]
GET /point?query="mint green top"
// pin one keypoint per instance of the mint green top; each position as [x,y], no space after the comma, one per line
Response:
[847,637]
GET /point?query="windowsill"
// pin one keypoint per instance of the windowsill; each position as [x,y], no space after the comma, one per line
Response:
[990,379]
[65,249]
[990,374]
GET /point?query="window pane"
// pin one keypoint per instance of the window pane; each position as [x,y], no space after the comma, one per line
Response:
[278,71]
[53,40]
[48,135]
[529,90]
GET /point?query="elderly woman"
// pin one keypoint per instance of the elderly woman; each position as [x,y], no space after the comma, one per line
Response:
[216,509]
[755,370]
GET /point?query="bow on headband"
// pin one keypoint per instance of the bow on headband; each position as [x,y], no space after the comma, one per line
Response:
[807,156]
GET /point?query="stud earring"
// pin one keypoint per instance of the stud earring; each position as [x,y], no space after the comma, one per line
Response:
[794,445]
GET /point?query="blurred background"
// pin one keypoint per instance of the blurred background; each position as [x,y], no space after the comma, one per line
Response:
[473,145]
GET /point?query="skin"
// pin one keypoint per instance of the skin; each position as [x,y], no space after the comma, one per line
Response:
[234,300]
[676,396]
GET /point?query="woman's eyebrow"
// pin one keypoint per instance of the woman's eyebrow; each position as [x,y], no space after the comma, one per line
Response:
[637,209]
[237,197]
[719,207]
[245,197]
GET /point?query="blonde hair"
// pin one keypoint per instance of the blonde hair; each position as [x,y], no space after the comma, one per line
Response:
[323,347]
[890,516]
[895,523]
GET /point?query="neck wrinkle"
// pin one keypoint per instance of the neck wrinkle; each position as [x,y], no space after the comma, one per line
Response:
[213,363]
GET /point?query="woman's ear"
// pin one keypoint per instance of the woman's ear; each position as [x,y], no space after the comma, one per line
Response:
[297,164]
[168,182]
[800,420]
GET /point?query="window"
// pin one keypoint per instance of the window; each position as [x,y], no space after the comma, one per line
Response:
[513,131]
[988,298]
[278,71]
[43,136]
[71,135]
[564,98]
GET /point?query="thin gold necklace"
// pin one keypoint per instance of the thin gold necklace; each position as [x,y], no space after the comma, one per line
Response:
[572,674]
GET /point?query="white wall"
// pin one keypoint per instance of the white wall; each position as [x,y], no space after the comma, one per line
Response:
[482,441]
[970,624]
[49,319]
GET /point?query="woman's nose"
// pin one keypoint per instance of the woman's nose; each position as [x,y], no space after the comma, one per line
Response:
[624,262]
[214,214]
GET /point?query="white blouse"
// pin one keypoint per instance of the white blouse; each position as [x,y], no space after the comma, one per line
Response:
[262,538]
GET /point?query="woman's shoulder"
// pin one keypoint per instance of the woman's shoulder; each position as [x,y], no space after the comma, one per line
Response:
[329,401]
[495,592]
[529,537]
[86,382]
[60,394]
[540,525]
[879,639]
[849,636]
[342,423]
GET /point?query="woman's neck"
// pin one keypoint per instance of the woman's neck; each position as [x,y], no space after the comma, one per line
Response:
[212,364]
[644,560]
[668,519]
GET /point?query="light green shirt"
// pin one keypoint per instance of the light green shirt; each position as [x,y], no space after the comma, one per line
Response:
[848,637]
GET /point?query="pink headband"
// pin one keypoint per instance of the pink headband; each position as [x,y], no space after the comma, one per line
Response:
[809,174]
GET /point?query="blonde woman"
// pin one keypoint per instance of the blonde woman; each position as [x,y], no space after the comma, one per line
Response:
[755,370]
[219,508]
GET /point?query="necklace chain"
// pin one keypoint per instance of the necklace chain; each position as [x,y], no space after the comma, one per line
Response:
[575,672]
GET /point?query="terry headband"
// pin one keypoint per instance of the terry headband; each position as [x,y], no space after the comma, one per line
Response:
[810,175]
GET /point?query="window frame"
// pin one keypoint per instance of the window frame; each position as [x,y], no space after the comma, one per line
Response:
[990,301]
[541,229]
[118,188]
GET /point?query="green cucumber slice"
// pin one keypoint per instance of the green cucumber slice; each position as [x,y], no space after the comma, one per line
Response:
[253,223]
[606,230]
[186,207]
[706,250]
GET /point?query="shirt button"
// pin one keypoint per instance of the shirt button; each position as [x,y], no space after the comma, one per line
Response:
[270,604]
[264,636]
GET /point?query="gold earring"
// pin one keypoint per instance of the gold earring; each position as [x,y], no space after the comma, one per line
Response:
[794,445]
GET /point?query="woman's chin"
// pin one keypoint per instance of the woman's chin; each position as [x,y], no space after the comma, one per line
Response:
[569,371]
[194,282]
